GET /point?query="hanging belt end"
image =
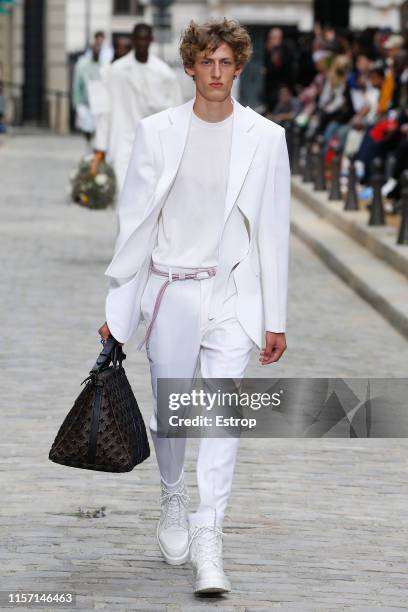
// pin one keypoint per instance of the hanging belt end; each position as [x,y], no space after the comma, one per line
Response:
[140,345]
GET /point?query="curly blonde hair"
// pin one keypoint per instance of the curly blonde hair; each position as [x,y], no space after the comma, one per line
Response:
[208,36]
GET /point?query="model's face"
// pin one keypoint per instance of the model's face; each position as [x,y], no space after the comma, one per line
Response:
[98,42]
[214,73]
[122,47]
[97,45]
[141,42]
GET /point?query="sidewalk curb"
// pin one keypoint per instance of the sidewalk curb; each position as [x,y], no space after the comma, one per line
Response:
[381,240]
[391,300]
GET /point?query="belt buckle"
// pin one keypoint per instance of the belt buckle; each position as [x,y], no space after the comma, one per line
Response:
[205,272]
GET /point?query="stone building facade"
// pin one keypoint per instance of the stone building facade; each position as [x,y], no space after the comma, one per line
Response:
[39,41]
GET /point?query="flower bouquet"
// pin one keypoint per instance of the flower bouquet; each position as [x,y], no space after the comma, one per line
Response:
[93,191]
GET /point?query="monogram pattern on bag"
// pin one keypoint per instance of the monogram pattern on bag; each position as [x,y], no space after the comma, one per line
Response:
[122,440]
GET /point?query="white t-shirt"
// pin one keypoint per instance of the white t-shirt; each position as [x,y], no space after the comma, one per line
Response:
[192,217]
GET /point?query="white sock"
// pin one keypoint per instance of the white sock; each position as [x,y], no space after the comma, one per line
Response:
[172,486]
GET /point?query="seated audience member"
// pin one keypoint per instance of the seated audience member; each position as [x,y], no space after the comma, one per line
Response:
[392,187]
[380,136]
[335,107]
[287,107]
[308,97]
[366,115]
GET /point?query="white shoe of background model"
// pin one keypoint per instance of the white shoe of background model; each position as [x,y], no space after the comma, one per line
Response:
[172,528]
[206,559]
[389,186]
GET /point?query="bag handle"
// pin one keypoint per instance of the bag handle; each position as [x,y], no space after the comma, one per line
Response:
[112,351]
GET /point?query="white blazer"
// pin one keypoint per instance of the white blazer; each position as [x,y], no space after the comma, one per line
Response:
[255,239]
[128,91]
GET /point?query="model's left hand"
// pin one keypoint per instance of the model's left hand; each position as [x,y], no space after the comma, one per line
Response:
[275,346]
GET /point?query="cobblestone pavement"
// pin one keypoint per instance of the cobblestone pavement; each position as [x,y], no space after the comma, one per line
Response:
[313,524]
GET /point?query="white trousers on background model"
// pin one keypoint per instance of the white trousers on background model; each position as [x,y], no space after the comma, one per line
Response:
[183,342]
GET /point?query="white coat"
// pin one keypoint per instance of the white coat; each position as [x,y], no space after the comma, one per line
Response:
[128,91]
[255,239]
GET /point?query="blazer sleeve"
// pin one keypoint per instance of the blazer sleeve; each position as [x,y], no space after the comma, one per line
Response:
[273,237]
[136,192]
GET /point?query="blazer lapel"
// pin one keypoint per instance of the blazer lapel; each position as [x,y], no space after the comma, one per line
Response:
[243,146]
[173,139]
[233,244]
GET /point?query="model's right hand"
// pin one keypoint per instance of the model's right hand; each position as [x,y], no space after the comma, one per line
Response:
[105,332]
[275,346]
[98,157]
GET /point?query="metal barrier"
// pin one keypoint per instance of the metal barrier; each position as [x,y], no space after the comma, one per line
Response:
[12,93]
[307,159]
[52,110]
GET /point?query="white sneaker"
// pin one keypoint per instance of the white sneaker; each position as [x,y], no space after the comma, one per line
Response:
[389,186]
[206,559]
[172,528]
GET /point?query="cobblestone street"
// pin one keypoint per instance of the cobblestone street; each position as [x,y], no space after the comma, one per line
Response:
[312,525]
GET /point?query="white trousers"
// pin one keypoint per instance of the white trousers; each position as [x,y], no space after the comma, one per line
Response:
[184,342]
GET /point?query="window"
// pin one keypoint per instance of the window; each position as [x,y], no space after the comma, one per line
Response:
[127,7]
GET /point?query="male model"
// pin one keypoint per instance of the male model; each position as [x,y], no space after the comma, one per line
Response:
[202,257]
[87,69]
[134,86]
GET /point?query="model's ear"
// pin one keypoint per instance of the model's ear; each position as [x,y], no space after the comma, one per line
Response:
[189,71]
[238,70]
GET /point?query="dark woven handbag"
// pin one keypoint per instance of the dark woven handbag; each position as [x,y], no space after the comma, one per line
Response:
[104,430]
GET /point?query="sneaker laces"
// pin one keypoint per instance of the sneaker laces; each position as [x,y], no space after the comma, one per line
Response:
[208,544]
[173,503]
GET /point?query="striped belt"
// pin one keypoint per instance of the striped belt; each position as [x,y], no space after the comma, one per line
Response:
[197,274]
